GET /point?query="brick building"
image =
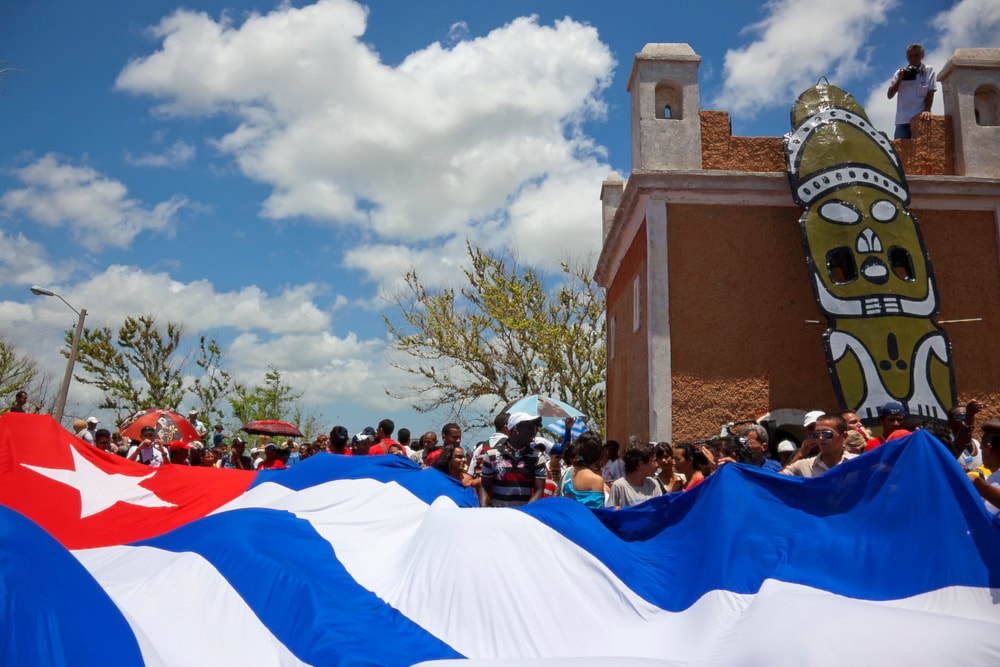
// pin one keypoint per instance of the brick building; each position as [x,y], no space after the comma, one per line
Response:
[710,313]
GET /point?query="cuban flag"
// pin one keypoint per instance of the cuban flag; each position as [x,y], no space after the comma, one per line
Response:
[890,558]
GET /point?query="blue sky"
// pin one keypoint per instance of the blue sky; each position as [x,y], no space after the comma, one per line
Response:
[266,173]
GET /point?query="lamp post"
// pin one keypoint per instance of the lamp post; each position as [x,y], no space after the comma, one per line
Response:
[82,315]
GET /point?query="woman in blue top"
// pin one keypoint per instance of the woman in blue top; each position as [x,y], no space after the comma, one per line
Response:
[584,483]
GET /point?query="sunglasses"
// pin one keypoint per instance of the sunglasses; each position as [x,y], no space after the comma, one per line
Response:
[825,434]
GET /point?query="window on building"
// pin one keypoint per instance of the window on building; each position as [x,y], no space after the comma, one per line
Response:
[636,304]
[986,103]
[611,338]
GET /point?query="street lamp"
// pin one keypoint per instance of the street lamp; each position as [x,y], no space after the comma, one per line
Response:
[82,314]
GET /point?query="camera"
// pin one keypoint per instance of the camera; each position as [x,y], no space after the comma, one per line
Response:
[910,73]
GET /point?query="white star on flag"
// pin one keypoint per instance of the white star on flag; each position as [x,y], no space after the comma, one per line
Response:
[100,490]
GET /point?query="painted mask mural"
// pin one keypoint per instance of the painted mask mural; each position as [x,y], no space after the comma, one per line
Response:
[868,267]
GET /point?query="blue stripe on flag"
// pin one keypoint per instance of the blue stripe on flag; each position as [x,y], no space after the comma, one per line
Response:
[54,611]
[290,576]
[834,533]
[388,468]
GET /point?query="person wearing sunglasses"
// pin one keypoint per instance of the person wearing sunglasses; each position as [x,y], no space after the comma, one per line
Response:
[828,434]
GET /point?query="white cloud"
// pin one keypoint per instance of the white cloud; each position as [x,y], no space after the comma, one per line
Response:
[435,145]
[96,209]
[798,42]
[176,155]
[24,262]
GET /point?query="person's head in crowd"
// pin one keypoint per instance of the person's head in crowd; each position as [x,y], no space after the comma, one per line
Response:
[208,458]
[179,451]
[522,429]
[451,434]
[809,421]
[664,454]
[79,425]
[855,441]
[395,448]
[428,441]
[589,448]
[956,418]
[102,440]
[638,456]
[270,452]
[991,444]
[890,417]
[786,450]
[147,433]
[500,422]
[852,420]
[569,454]
[756,440]
[612,449]
[403,437]
[688,460]
[386,427]
[340,439]
[451,461]
[830,432]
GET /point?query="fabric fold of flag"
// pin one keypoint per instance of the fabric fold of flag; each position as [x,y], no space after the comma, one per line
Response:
[357,560]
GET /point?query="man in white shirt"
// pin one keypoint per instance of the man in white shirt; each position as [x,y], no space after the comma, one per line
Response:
[915,86]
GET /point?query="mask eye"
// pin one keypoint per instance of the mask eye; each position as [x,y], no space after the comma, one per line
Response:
[839,213]
[841,266]
[884,211]
[901,263]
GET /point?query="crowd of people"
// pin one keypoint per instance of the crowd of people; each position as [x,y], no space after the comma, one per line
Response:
[516,465]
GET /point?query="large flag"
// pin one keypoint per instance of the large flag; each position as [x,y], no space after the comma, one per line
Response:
[888,559]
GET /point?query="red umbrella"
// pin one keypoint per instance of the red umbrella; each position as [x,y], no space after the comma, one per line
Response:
[271,427]
[169,426]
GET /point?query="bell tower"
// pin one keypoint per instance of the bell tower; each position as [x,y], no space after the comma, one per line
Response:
[666,125]
[971,84]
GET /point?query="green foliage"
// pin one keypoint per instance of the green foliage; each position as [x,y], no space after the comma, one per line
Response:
[136,367]
[272,400]
[215,384]
[503,336]
[19,370]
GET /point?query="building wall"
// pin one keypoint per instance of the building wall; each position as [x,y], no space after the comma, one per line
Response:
[744,330]
[628,376]
[738,317]
[746,334]
[964,249]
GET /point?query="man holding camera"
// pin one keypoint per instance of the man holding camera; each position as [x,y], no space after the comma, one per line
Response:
[915,85]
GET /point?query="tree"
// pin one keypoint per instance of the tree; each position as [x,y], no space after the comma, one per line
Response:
[136,368]
[504,335]
[271,400]
[215,383]
[19,370]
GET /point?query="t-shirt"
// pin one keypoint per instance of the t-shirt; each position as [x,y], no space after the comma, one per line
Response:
[613,470]
[911,94]
[382,447]
[623,494]
[513,474]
